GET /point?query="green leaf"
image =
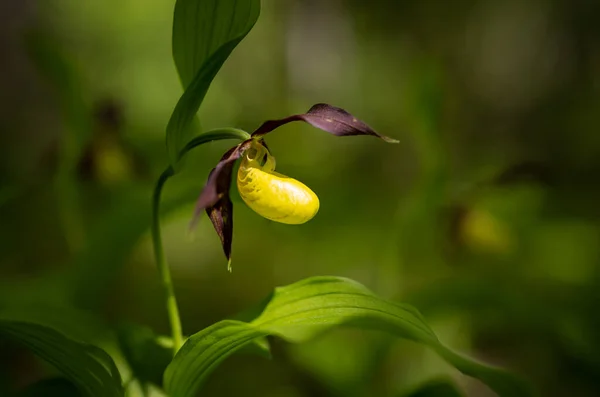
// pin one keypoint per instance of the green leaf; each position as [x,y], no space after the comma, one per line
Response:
[307,308]
[90,368]
[205,32]
[202,27]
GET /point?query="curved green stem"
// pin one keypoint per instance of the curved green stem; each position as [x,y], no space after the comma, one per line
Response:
[214,135]
[161,262]
[159,254]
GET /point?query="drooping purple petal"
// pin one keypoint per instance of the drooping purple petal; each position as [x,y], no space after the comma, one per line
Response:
[214,198]
[221,216]
[328,118]
[218,182]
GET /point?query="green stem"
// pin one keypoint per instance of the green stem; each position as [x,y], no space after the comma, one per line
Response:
[214,135]
[159,254]
[161,263]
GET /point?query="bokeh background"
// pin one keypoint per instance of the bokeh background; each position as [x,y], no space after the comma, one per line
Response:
[486,216]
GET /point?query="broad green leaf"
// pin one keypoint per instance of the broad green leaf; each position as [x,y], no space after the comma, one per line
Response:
[88,367]
[202,27]
[149,354]
[307,308]
[205,32]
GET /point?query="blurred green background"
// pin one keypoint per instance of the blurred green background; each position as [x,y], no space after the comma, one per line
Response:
[486,216]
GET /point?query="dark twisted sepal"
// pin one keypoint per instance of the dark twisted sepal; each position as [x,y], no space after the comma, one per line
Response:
[215,200]
[328,118]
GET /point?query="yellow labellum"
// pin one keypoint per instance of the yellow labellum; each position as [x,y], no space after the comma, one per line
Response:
[273,195]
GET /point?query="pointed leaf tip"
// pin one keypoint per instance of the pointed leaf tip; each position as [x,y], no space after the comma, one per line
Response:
[334,120]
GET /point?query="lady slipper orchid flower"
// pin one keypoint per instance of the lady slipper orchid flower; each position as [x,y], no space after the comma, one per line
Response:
[270,194]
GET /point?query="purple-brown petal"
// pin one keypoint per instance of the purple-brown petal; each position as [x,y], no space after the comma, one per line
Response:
[328,118]
[339,122]
[221,216]
[218,181]
[214,198]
